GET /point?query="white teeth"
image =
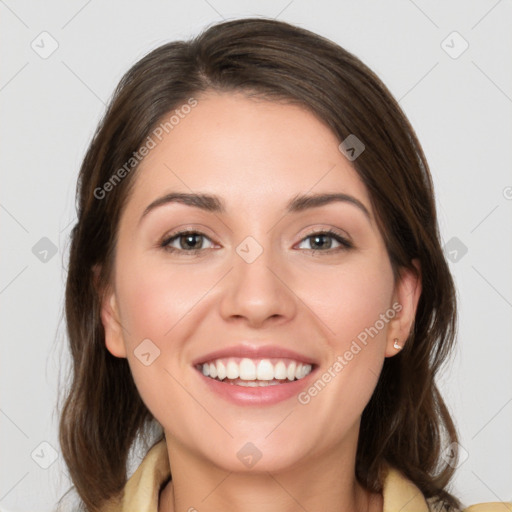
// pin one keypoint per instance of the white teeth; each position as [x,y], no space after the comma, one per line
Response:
[255,383]
[232,370]
[249,384]
[221,370]
[304,370]
[265,370]
[247,369]
[291,371]
[255,373]
[280,371]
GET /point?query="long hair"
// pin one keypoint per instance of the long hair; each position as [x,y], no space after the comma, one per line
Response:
[406,422]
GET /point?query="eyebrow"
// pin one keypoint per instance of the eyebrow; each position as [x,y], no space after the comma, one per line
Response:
[212,203]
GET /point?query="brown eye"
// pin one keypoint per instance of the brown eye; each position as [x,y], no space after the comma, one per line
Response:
[185,241]
[323,241]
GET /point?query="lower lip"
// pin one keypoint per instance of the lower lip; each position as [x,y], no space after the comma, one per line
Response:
[261,395]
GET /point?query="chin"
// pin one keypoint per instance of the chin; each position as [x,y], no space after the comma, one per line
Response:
[255,454]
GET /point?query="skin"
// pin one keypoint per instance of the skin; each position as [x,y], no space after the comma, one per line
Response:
[255,155]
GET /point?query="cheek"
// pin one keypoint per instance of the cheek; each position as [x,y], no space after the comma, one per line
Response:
[153,300]
[351,299]
[157,304]
[153,305]
[354,305]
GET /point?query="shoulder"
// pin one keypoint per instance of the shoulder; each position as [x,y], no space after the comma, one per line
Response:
[494,506]
[402,494]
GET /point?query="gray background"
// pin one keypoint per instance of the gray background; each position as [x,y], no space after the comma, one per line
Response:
[460,106]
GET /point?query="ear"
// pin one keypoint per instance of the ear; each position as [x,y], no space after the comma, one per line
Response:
[405,302]
[110,319]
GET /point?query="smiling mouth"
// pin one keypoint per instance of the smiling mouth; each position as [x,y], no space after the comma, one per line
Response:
[255,372]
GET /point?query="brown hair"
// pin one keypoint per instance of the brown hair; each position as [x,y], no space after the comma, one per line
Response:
[406,421]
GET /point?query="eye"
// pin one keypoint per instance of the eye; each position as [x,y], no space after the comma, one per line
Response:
[323,241]
[190,242]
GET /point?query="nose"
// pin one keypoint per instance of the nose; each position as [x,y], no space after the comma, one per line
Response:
[257,293]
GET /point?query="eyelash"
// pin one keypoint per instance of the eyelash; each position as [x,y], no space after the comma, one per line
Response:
[345,245]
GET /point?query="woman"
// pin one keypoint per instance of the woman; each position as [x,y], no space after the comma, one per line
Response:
[256,271]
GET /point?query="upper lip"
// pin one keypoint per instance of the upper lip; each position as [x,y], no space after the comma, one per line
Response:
[254,352]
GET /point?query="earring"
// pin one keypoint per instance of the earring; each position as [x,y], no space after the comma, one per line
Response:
[396,345]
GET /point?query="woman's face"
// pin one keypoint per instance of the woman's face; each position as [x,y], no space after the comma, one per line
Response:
[245,292]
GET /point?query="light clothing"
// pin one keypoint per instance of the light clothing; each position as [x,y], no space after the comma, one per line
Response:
[142,489]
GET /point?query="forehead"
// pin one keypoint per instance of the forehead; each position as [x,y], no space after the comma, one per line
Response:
[253,153]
